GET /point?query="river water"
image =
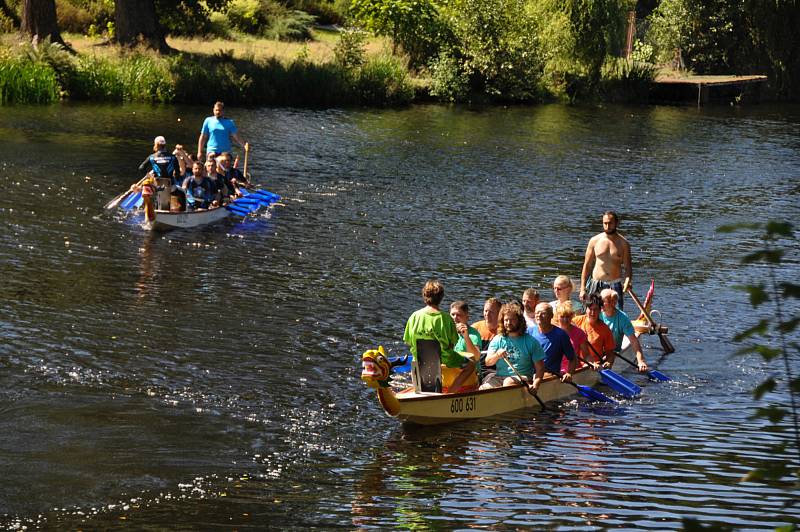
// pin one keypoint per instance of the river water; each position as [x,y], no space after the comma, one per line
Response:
[210,378]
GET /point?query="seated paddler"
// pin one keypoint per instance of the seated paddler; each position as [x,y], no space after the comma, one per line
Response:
[514,351]
[431,323]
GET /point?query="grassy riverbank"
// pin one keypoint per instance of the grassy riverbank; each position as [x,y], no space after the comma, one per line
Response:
[321,72]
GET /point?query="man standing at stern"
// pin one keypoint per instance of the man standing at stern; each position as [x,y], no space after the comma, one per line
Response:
[607,254]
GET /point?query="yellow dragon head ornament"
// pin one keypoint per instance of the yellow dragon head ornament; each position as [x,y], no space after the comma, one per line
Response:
[375,368]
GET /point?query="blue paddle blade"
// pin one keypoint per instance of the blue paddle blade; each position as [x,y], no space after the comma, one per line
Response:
[237,210]
[266,194]
[404,367]
[658,376]
[591,393]
[131,201]
[619,384]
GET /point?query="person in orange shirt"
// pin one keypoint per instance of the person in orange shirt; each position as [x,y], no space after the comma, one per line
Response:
[487,328]
[601,340]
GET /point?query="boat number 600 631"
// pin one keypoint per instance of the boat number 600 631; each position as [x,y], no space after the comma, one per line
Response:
[463,404]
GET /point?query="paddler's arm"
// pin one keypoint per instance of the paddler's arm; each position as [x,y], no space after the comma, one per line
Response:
[238,140]
[538,374]
[144,164]
[200,143]
[639,355]
[463,331]
[493,356]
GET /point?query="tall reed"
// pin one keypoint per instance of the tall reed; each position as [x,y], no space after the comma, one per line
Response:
[24,81]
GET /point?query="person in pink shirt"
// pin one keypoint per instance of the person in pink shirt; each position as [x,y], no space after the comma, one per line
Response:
[578,338]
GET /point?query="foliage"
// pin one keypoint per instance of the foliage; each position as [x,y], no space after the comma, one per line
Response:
[449,81]
[269,19]
[26,81]
[414,25]
[624,80]
[577,37]
[383,80]
[349,52]
[136,78]
[497,47]
[187,17]
[731,36]
[290,25]
[770,339]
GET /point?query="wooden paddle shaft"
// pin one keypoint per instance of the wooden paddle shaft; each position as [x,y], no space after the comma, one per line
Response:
[524,382]
[641,308]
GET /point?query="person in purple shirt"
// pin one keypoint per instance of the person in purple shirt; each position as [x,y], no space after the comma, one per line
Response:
[217,133]
[554,341]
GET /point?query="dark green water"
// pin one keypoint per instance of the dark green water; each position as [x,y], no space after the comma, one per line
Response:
[210,378]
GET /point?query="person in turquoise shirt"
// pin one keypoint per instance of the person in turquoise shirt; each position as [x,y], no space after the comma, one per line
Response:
[469,337]
[620,325]
[430,323]
[513,346]
[217,133]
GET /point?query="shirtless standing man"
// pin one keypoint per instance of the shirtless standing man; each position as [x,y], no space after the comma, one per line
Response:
[610,253]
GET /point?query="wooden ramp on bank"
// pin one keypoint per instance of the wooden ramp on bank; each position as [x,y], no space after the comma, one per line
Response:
[674,87]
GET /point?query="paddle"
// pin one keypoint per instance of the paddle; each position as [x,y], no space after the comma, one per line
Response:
[524,382]
[590,393]
[617,382]
[614,380]
[134,200]
[665,343]
[246,152]
[653,374]
[114,202]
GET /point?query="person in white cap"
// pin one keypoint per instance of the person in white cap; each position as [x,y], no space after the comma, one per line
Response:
[166,169]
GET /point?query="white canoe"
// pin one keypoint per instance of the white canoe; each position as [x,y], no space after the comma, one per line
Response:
[166,220]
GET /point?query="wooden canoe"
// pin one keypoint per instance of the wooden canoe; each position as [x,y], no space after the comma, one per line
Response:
[411,407]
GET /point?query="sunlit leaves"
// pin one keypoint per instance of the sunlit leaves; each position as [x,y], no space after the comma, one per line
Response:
[766,386]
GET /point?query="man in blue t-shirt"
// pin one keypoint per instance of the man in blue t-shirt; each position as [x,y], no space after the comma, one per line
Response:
[218,132]
[554,341]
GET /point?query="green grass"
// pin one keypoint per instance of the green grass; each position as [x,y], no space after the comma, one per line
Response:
[25,81]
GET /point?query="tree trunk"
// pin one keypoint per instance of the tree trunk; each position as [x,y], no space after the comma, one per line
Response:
[39,18]
[136,23]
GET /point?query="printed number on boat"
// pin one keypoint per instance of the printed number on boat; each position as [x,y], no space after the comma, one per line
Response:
[463,404]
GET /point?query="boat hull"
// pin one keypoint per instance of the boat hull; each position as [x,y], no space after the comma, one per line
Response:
[435,408]
[166,220]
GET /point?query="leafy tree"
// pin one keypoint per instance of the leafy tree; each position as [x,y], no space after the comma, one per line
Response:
[577,38]
[415,25]
[498,48]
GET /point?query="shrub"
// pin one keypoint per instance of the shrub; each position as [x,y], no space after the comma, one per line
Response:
[291,25]
[623,80]
[383,80]
[449,81]
[349,52]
